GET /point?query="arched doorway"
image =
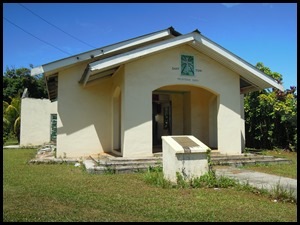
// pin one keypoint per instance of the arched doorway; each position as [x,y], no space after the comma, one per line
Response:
[184,110]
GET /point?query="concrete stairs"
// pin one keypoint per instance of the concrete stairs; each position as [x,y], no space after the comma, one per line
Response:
[128,165]
[121,165]
[245,159]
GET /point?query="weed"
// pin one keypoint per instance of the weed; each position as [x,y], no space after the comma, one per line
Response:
[110,170]
[280,193]
[155,176]
[181,183]
[209,162]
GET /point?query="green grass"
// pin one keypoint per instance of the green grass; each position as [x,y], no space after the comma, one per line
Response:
[11,141]
[63,192]
[285,170]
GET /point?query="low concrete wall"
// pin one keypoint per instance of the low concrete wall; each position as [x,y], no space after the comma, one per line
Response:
[35,121]
[189,161]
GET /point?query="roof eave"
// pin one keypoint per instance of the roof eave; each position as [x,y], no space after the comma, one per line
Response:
[108,63]
[52,67]
[261,79]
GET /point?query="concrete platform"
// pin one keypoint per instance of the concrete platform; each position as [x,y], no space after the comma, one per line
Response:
[11,146]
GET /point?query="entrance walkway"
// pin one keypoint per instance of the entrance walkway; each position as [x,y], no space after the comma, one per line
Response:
[258,179]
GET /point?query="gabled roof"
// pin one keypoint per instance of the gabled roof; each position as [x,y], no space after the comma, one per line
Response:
[104,62]
[54,67]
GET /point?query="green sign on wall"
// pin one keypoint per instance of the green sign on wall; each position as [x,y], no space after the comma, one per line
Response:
[187,65]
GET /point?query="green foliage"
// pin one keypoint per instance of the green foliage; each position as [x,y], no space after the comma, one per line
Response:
[210,180]
[109,170]
[16,80]
[271,116]
[11,118]
[181,183]
[14,83]
[282,194]
[209,162]
[155,176]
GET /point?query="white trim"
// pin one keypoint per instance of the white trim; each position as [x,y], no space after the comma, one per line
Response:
[245,90]
[237,60]
[125,57]
[98,52]
[37,70]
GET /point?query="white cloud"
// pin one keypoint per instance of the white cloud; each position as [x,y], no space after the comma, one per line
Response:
[230,5]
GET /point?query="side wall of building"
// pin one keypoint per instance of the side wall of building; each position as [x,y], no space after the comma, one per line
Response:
[84,115]
[35,121]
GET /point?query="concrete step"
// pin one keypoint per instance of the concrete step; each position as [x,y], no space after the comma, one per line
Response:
[240,157]
[130,162]
[246,159]
[252,161]
[127,165]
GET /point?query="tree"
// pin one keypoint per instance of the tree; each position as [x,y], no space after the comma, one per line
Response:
[14,83]
[11,118]
[271,116]
[16,80]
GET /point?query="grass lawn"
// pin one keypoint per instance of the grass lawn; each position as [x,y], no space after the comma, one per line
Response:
[62,192]
[11,141]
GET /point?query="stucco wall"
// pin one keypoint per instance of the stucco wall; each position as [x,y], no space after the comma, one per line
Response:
[243,137]
[117,89]
[87,120]
[148,74]
[35,121]
[84,115]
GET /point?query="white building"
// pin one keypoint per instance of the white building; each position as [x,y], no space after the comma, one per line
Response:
[123,97]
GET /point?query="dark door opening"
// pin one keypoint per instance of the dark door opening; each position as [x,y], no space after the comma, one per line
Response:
[161,120]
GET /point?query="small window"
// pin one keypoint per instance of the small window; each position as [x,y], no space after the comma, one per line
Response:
[187,65]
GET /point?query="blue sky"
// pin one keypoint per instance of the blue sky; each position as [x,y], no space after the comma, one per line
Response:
[256,32]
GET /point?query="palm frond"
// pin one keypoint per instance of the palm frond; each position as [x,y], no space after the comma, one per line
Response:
[17,125]
[5,105]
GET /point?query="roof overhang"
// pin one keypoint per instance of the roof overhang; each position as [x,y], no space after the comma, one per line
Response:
[56,66]
[104,62]
[107,64]
[252,79]
[248,73]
